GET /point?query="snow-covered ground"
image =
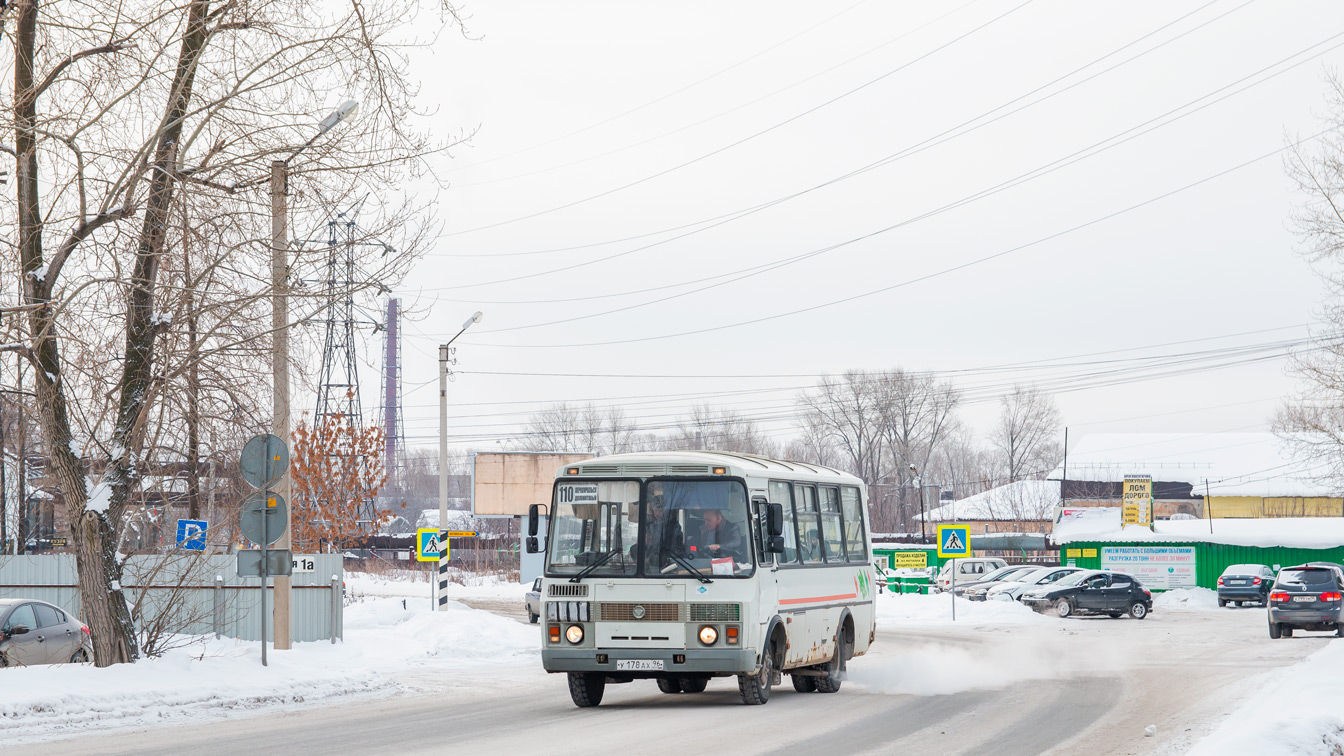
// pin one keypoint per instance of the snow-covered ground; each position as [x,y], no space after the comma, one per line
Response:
[1297,711]
[413,584]
[896,609]
[384,645]
[1186,600]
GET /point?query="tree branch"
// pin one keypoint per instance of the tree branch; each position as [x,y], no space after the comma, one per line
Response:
[70,60]
[76,237]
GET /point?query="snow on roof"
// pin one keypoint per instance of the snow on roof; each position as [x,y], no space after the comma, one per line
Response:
[1022,500]
[1103,524]
[1234,464]
[457,519]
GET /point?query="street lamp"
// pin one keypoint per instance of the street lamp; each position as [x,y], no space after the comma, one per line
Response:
[280,343]
[445,356]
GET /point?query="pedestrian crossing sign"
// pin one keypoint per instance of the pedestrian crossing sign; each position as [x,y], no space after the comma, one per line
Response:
[954,541]
[427,545]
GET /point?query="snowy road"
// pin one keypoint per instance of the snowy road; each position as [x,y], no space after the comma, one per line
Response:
[1030,688]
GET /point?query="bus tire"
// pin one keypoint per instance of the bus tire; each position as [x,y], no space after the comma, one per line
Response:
[804,683]
[669,684]
[586,688]
[755,688]
[693,684]
[835,668]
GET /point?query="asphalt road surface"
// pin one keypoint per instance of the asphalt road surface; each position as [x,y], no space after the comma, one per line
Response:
[1059,687]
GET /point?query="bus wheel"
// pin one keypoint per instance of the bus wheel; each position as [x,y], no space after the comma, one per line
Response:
[804,683]
[835,668]
[586,688]
[755,689]
[669,684]
[693,684]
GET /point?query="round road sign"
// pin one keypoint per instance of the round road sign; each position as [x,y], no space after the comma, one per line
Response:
[264,518]
[264,460]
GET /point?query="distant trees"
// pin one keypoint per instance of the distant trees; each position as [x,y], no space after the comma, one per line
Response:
[1025,436]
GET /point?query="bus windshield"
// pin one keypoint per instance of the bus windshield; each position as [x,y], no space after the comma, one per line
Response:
[683,528]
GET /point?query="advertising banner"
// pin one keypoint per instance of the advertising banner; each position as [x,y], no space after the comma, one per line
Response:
[1137,500]
[916,560]
[1157,567]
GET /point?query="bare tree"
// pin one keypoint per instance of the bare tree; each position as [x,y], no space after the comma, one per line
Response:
[1311,424]
[720,429]
[132,122]
[1025,434]
[917,413]
[847,412]
[584,428]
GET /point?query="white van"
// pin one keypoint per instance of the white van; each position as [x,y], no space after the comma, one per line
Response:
[967,570]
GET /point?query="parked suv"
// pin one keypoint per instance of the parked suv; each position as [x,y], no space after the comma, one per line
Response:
[1305,598]
[968,569]
[1245,583]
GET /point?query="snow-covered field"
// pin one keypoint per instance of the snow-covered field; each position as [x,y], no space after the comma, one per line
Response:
[384,645]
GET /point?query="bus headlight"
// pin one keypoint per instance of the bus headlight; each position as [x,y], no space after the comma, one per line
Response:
[709,635]
[574,634]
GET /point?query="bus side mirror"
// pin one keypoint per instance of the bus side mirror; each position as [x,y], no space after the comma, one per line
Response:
[775,545]
[774,520]
[532,544]
[532,525]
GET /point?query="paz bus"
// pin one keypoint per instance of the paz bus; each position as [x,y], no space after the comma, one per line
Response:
[684,566]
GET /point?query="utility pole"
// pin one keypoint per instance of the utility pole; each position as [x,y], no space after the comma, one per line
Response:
[280,376]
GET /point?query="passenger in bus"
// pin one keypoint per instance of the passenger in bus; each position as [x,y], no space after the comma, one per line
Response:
[661,535]
[810,548]
[720,537]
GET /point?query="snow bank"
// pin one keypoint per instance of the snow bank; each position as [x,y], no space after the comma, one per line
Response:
[222,679]
[1187,600]
[1299,712]
[409,583]
[894,609]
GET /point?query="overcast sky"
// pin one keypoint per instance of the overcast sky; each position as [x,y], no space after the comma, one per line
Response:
[617,143]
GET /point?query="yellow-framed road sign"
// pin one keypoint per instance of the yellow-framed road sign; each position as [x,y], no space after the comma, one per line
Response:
[427,545]
[954,541]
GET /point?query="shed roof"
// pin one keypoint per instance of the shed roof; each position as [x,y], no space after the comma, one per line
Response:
[1023,500]
[1234,464]
[1103,524]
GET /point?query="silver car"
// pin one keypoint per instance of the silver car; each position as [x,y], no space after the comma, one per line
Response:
[35,632]
[532,602]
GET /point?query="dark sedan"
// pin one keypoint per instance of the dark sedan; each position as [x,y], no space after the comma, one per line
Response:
[1305,598]
[35,632]
[1244,583]
[1092,592]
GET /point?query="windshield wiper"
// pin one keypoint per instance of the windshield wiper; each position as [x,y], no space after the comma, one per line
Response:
[686,563]
[586,571]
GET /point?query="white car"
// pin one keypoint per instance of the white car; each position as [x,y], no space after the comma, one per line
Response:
[968,569]
[1012,591]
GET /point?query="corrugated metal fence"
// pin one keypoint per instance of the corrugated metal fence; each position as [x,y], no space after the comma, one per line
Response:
[1211,558]
[190,593]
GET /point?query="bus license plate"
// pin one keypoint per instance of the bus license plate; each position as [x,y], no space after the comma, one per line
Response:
[639,665]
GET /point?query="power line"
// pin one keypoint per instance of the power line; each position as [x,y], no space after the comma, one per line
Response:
[916,148]
[745,139]
[908,282]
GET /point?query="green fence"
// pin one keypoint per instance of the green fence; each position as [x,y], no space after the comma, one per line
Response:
[1210,558]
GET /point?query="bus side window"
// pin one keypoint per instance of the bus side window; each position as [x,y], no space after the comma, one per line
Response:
[779,494]
[809,527]
[831,536]
[852,508]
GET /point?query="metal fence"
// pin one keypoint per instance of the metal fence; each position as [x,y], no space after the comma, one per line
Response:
[190,593]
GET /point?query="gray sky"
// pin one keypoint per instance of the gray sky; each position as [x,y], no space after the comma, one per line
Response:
[643,117]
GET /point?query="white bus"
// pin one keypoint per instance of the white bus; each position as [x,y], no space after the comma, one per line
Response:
[682,566]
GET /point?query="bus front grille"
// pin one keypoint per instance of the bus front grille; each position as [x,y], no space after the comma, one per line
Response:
[716,612]
[573,590]
[635,612]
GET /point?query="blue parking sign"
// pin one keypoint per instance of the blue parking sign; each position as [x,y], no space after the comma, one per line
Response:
[191,534]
